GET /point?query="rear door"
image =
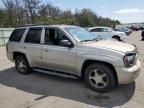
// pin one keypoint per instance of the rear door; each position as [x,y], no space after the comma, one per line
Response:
[32,46]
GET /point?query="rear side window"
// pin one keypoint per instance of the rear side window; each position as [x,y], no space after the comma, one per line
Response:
[96,30]
[104,30]
[33,35]
[17,35]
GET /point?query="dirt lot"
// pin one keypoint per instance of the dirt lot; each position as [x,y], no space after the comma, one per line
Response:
[38,90]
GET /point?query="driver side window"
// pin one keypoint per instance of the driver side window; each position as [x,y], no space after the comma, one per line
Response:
[96,30]
[105,30]
[54,37]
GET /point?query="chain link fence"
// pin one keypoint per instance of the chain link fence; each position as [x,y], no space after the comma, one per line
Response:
[4,35]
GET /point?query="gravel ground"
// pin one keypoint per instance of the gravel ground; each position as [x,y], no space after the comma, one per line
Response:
[38,90]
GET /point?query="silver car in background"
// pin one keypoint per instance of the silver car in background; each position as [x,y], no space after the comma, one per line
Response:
[107,33]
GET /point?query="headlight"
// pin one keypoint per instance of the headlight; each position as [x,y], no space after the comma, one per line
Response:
[129,60]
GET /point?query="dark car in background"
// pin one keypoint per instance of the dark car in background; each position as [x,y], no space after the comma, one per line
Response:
[134,28]
[125,30]
[141,28]
[142,35]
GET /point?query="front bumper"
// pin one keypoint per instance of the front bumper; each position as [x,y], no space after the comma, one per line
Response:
[128,75]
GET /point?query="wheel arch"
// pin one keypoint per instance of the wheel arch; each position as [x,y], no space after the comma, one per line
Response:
[115,36]
[16,53]
[89,62]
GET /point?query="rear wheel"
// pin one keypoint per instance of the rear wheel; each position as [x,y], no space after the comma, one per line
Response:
[100,77]
[22,65]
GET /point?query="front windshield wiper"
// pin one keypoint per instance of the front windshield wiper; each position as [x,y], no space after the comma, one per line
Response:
[86,40]
[95,39]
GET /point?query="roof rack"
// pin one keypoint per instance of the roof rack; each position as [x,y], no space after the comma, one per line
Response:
[35,25]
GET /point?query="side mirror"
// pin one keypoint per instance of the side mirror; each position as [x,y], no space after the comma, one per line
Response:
[66,43]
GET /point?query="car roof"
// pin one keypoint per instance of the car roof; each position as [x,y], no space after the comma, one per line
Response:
[90,28]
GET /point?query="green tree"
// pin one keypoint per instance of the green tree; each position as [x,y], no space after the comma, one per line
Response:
[85,17]
[18,12]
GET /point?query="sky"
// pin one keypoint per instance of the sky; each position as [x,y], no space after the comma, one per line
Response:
[126,11]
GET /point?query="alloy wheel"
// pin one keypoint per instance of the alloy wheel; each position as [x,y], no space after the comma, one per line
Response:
[98,78]
[21,65]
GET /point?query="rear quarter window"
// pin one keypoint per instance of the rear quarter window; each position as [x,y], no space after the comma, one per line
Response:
[16,35]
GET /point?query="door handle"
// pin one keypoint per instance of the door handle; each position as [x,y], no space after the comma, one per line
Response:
[24,47]
[46,50]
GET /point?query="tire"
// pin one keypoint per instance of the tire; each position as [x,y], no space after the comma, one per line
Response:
[102,80]
[22,65]
[117,38]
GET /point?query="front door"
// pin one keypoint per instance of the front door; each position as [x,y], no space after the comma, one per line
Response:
[97,32]
[106,33]
[55,55]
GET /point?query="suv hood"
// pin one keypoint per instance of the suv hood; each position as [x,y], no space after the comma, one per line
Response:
[113,45]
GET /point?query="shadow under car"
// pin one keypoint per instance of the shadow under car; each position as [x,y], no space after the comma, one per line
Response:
[73,89]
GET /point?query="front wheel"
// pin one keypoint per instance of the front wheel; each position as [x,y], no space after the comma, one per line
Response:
[117,38]
[22,65]
[100,77]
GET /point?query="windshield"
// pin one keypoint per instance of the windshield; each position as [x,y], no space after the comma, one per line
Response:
[80,34]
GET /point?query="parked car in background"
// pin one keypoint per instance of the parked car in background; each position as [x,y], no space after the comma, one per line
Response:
[142,35]
[73,51]
[141,28]
[125,30]
[135,28]
[107,33]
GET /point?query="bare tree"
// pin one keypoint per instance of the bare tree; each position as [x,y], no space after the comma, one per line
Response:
[49,10]
[32,8]
[43,11]
[18,10]
[53,11]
